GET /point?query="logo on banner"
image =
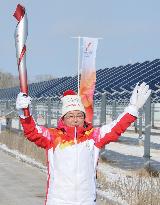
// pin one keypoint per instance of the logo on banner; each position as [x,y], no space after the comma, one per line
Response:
[88,49]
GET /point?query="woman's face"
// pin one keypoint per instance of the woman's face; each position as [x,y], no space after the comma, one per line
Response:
[74,118]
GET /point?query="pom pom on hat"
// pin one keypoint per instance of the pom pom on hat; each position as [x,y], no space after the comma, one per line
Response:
[71,101]
[69,92]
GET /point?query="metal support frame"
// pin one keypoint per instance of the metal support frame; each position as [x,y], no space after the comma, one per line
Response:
[114,110]
[49,112]
[8,119]
[140,123]
[147,109]
[103,115]
[103,109]
[34,111]
[152,114]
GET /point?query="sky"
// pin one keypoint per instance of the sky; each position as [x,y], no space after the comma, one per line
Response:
[130,32]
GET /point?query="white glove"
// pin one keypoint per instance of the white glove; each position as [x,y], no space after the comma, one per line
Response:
[140,95]
[22,101]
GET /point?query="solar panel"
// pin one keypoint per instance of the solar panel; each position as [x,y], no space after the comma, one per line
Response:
[117,82]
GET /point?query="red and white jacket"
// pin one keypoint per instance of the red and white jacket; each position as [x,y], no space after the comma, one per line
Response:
[72,154]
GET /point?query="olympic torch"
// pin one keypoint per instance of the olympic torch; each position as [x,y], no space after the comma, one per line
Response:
[21,33]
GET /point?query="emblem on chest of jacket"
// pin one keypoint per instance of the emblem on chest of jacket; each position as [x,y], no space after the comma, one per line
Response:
[90,144]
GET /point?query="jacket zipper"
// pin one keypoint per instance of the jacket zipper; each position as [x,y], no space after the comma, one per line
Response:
[76,161]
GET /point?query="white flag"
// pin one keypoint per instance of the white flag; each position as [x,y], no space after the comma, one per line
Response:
[88,75]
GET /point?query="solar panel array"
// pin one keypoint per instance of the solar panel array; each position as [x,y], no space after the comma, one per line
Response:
[116,82]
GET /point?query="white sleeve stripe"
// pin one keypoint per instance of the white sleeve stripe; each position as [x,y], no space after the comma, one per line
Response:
[107,128]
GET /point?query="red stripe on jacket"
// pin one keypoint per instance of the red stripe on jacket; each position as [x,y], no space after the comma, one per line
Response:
[116,131]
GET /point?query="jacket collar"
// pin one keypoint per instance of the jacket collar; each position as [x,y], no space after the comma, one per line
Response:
[71,130]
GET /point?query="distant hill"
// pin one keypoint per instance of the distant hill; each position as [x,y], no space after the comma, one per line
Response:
[8,80]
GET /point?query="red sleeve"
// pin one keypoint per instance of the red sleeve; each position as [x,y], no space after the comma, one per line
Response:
[116,131]
[33,134]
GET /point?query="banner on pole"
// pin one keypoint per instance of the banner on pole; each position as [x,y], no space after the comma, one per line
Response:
[88,75]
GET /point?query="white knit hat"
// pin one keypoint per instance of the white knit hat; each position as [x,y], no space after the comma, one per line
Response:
[71,101]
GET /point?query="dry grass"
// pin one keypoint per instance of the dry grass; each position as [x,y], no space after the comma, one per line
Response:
[139,188]
[18,142]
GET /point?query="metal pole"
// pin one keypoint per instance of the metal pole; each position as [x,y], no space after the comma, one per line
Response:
[152,111]
[135,125]
[147,131]
[8,119]
[103,116]
[46,117]
[19,126]
[103,109]
[58,108]
[114,110]
[140,123]
[0,122]
[78,61]
[34,112]
[49,112]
